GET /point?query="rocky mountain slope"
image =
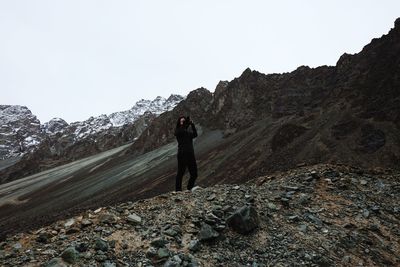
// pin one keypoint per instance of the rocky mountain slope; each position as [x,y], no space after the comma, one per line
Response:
[321,215]
[348,113]
[56,142]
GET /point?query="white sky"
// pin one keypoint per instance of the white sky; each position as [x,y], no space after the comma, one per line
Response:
[76,59]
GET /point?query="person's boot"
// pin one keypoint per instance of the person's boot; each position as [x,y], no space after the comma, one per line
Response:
[191,182]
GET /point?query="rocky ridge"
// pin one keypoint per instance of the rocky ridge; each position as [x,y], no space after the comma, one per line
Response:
[322,215]
[43,146]
[21,132]
[348,113]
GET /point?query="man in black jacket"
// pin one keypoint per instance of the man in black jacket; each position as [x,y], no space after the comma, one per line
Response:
[184,136]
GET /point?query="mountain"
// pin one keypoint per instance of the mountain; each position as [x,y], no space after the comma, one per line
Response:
[249,127]
[348,113]
[322,215]
[19,131]
[47,145]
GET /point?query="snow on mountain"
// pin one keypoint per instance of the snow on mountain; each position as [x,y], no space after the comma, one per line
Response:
[157,106]
[94,125]
[21,132]
[54,126]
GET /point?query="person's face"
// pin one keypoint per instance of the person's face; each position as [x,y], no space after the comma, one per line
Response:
[182,121]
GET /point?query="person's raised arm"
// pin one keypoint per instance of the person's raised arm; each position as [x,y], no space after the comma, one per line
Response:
[194,131]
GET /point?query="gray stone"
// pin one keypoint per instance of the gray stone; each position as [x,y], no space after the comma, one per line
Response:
[174,262]
[272,206]
[101,244]
[302,228]
[108,264]
[72,230]
[177,259]
[304,199]
[195,188]
[69,222]
[294,218]
[151,252]
[244,220]
[134,219]
[321,261]
[313,218]
[100,257]
[159,242]
[82,247]
[70,255]
[375,208]
[194,245]
[366,213]
[108,218]
[346,259]
[86,222]
[17,246]
[56,262]
[162,253]
[314,174]
[207,233]
[43,237]
[217,211]
[211,197]
[171,232]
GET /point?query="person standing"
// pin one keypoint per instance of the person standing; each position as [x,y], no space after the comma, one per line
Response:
[186,159]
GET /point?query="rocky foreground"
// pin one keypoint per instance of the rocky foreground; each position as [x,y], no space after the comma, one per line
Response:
[322,215]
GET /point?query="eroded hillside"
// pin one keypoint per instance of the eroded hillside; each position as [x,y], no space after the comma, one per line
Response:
[322,215]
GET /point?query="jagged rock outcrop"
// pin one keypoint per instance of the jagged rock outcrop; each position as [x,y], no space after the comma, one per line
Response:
[54,126]
[19,131]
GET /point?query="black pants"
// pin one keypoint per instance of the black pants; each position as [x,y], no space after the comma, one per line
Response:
[186,160]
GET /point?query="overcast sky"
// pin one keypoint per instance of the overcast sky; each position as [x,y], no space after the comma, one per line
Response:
[76,59]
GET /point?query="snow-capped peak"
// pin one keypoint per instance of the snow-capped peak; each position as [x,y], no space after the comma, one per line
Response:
[93,125]
[21,131]
[156,106]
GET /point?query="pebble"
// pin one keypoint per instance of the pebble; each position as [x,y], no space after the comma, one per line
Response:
[69,222]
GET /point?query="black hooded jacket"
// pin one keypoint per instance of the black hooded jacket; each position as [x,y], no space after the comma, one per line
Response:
[184,136]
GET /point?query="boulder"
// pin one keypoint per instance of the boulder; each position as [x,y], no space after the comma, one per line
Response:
[243,220]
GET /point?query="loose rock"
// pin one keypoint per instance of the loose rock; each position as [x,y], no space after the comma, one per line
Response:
[244,220]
